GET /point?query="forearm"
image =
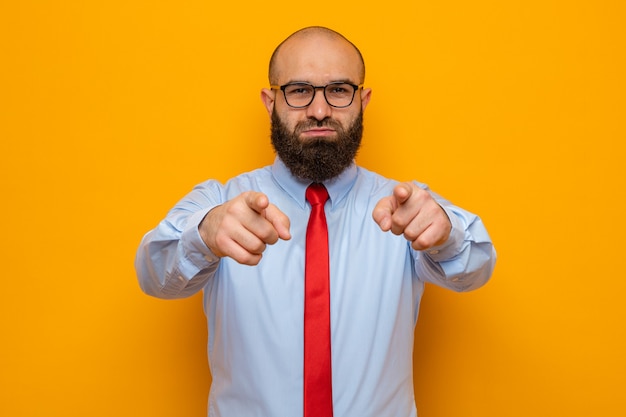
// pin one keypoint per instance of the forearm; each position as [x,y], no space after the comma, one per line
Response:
[464,262]
[172,260]
[173,267]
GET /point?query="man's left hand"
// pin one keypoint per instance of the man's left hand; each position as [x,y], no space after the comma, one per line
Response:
[414,213]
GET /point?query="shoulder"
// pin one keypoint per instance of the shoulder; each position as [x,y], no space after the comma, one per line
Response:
[217,192]
[379,183]
[252,180]
[244,180]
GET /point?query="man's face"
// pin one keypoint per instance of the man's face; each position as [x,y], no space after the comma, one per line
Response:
[319,141]
[316,159]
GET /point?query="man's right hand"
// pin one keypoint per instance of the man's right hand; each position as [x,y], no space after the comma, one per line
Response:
[242,227]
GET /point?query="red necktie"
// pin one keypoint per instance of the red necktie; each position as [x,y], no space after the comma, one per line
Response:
[318,399]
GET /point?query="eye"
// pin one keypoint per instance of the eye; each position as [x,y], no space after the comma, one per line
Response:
[338,89]
[298,89]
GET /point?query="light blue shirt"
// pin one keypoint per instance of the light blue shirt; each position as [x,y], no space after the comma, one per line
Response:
[255,313]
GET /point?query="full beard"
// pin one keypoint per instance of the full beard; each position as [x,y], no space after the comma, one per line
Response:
[317,160]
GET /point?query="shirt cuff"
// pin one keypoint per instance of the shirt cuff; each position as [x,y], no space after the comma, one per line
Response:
[195,255]
[451,247]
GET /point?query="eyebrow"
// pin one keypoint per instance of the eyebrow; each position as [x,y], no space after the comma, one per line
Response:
[340,80]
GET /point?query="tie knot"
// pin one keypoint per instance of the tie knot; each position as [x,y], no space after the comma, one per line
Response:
[316,194]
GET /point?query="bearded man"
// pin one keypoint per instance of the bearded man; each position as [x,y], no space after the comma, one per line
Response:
[313,268]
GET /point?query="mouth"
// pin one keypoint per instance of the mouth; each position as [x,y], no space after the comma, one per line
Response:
[318,133]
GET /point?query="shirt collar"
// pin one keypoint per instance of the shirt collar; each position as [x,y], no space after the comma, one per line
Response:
[337,187]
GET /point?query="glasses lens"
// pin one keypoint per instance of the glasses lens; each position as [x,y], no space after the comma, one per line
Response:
[339,94]
[299,95]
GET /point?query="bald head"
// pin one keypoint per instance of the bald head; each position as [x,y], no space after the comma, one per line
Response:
[328,40]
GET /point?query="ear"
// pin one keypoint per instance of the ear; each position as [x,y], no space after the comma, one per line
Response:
[268,97]
[366,94]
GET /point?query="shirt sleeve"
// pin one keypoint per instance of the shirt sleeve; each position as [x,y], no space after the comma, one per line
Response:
[172,260]
[466,260]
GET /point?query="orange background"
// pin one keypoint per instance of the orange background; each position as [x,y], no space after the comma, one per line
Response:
[110,111]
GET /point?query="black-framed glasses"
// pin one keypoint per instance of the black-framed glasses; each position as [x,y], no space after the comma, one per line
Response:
[300,95]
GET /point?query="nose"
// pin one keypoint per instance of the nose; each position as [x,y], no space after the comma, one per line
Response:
[319,108]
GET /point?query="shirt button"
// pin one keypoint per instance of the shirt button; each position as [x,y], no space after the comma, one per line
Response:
[433,252]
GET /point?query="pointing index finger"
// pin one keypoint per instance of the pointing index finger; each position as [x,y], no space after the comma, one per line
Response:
[257,201]
[383,211]
[279,220]
[402,192]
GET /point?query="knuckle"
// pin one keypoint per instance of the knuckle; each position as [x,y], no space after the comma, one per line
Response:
[233,208]
[253,243]
[422,195]
[222,242]
[423,242]
[399,223]
[410,235]
[397,228]
[248,259]
[266,232]
[271,238]
[257,248]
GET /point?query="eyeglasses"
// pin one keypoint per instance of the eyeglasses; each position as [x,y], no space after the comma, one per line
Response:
[300,95]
